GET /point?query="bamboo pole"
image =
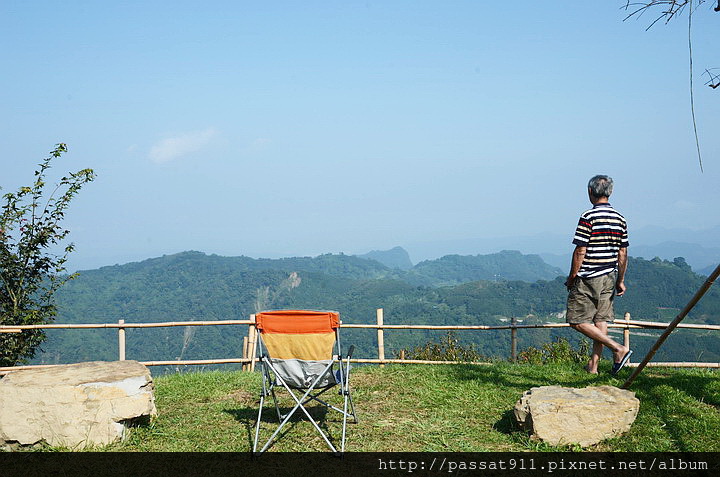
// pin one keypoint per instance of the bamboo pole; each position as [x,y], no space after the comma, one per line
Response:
[195,362]
[617,324]
[676,365]
[245,351]
[252,338]
[382,362]
[8,369]
[655,324]
[380,336]
[421,361]
[671,327]
[513,340]
[121,340]
[164,324]
[626,331]
[452,327]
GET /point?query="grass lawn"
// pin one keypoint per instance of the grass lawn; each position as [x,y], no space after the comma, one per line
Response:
[404,408]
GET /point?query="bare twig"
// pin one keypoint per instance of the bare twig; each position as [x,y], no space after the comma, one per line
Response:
[670,8]
[692,97]
[714,80]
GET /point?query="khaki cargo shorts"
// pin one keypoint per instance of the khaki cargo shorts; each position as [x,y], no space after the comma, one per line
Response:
[591,299]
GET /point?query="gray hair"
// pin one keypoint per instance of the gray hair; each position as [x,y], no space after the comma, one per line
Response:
[601,186]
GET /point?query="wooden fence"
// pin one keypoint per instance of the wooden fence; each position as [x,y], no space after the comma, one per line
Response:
[249,347]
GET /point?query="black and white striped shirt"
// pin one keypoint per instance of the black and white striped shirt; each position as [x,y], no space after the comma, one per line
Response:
[603,231]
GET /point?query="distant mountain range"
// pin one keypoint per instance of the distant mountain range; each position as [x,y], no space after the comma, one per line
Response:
[455,269]
[699,248]
[479,289]
[701,259]
[502,266]
[394,258]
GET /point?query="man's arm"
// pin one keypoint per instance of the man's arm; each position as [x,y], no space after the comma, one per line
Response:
[577,260]
[622,267]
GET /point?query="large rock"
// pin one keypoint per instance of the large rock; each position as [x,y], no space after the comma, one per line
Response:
[561,416]
[74,405]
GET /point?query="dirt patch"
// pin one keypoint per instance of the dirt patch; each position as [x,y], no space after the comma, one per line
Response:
[242,396]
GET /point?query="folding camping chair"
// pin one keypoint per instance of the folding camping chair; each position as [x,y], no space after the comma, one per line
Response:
[296,353]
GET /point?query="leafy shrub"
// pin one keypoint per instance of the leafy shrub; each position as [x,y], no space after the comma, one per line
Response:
[559,351]
[448,349]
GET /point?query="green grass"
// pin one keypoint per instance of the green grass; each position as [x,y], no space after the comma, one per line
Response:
[405,408]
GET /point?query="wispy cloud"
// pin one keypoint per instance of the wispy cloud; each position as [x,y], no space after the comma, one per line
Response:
[172,148]
[259,144]
[684,205]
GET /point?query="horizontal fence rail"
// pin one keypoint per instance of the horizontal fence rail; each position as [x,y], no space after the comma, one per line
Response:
[249,345]
[122,324]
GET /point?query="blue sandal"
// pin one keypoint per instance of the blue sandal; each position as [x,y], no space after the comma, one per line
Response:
[618,366]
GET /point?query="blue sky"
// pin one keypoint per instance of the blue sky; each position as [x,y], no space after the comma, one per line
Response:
[274,129]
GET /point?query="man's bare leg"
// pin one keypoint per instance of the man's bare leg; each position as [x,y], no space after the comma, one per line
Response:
[597,349]
[594,333]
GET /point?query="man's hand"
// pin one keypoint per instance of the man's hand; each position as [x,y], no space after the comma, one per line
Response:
[622,268]
[620,288]
[577,260]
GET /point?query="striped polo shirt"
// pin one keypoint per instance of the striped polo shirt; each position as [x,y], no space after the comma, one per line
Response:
[603,231]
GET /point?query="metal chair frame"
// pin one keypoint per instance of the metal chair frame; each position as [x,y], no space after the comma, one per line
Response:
[272,379]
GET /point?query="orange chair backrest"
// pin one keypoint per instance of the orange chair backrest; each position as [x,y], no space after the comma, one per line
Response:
[298,334]
[297,321]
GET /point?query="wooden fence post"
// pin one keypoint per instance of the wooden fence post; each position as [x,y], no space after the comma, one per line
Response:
[513,339]
[121,340]
[252,339]
[245,351]
[380,336]
[626,332]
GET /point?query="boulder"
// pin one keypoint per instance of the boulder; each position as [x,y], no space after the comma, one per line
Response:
[562,416]
[74,405]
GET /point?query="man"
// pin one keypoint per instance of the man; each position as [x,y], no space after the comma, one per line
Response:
[597,273]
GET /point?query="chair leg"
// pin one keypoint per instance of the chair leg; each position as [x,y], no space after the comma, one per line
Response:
[352,408]
[346,390]
[257,425]
[299,404]
[345,418]
[277,407]
[324,403]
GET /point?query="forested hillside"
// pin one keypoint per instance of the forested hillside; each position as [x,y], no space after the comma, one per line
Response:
[195,286]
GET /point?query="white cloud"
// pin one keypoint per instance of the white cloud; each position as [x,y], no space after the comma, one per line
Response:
[259,144]
[684,205]
[173,147]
